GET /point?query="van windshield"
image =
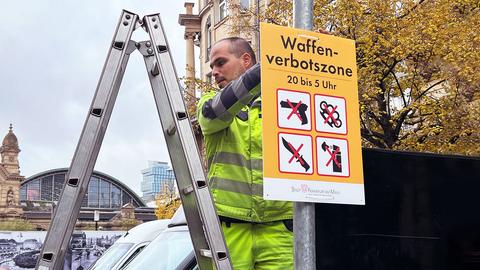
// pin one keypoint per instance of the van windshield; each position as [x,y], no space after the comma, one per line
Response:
[166,252]
[111,257]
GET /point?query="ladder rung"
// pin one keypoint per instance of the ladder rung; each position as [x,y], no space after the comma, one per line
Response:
[155,70]
[206,253]
[187,190]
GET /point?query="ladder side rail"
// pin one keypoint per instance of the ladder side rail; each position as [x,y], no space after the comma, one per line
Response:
[86,153]
[183,177]
[184,134]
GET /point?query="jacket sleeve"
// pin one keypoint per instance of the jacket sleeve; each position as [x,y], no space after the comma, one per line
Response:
[216,111]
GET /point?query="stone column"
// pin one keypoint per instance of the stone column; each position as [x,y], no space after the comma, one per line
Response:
[190,70]
[190,59]
[192,24]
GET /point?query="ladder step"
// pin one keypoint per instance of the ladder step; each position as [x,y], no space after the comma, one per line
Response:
[206,253]
[187,190]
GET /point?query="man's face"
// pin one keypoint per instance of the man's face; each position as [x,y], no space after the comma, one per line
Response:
[226,67]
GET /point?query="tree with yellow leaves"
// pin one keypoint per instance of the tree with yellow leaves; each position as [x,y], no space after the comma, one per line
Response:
[418,68]
[167,202]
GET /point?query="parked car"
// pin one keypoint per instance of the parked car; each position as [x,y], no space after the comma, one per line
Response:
[79,240]
[130,245]
[172,249]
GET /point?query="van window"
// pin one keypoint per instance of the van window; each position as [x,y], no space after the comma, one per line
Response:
[111,257]
[131,257]
[165,252]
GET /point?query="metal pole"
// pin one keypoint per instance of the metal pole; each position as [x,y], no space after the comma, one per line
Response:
[304,213]
[257,22]
[303,14]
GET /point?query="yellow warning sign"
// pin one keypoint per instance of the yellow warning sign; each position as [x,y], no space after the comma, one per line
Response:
[311,124]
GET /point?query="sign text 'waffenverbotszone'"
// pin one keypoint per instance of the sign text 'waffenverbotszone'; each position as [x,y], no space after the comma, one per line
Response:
[311,125]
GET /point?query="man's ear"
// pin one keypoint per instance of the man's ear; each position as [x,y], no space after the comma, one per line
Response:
[246,60]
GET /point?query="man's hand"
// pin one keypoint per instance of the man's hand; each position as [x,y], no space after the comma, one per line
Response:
[323,31]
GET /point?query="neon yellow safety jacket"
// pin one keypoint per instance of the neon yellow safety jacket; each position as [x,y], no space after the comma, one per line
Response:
[232,128]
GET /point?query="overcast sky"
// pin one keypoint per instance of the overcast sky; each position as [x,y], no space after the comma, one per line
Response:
[51,57]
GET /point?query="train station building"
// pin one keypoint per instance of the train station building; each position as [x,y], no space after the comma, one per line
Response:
[34,198]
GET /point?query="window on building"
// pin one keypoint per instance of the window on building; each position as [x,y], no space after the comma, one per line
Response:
[126,199]
[104,194]
[47,188]
[23,193]
[85,200]
[245,4]
[208,35]
[222,7]
[116,197]
[93,192]
[33,190]
[58,181]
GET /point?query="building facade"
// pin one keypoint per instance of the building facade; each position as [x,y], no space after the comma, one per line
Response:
[218,19]
[10,178]
[35,197]
[156,178]
[115,202]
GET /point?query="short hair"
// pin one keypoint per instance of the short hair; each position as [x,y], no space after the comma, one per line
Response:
[239,46]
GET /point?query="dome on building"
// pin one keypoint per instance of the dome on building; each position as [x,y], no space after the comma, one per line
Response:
[10,142]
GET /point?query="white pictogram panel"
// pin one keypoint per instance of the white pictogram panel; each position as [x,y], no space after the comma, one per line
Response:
[295,153]
[330,114]
[333,157]
[294,110]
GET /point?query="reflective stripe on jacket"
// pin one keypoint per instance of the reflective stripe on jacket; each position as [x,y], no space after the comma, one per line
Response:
[232,127]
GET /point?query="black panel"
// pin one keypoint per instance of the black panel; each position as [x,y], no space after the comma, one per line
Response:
[421,213]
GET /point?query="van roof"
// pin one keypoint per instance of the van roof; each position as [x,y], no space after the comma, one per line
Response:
[144,232]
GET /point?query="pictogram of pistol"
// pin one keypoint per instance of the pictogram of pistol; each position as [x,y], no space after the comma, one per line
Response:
[301,109]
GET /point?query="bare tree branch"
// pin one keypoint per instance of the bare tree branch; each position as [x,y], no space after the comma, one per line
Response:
[411,10]
[428,89]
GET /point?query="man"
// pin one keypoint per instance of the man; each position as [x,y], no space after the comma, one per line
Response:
[258,232]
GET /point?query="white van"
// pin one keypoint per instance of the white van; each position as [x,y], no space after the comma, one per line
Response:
[130,245]
[170,250]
